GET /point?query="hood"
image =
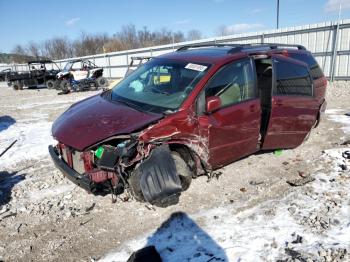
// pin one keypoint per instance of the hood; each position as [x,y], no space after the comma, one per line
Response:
[94,119]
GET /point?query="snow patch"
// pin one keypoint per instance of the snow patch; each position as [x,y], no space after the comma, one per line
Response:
[48,193]
[339,116]
[50,103]
[263,232]
[33,138]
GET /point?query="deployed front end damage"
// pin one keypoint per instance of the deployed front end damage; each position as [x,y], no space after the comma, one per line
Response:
[150,172]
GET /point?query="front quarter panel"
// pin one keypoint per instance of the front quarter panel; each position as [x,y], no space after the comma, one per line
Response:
[180,128]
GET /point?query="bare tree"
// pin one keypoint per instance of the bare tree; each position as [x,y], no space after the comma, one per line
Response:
[60,48]
[19,54]
[223,31]
[128,37]
[146,38]
[90,44]
[33,50]
[194,35]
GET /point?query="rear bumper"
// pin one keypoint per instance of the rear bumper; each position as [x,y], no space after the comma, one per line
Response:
[78,179]
[321,113]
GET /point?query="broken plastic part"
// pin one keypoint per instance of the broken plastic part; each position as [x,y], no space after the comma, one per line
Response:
[99,152]
[160,182]
[278,152]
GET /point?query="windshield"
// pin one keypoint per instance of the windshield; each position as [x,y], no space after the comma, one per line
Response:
[159,85]
[67,66]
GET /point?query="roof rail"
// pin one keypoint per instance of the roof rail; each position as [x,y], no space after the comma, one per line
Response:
[186,47]
[239,47]
[276,45]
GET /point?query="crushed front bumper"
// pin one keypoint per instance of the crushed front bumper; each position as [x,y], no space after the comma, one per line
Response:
[78,179]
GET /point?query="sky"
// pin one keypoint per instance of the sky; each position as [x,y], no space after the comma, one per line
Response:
[39,20]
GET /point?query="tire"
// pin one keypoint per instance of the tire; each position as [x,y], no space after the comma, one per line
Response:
[134,183]
[65,85]
[183,170]
[93,87]
[181,167]
[101,82]
[17,85]
[57,84]
[50,84]
[9,84]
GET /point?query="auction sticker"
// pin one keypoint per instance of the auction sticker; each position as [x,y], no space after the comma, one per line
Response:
[196,67]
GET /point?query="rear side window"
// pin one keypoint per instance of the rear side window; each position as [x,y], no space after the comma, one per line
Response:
[315,70]
[292,79]
[233,84]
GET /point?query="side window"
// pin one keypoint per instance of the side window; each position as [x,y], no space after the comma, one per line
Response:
[233,84]
[292,79]
[315,70]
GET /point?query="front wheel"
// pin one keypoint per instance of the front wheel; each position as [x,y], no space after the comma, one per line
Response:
[50,84]
[182,169]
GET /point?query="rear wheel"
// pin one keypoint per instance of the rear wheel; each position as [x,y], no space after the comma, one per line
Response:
[50,84]
[101,82]
[17,85]
[64,85]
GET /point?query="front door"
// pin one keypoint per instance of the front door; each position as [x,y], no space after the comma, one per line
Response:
[233,130]
[293,107]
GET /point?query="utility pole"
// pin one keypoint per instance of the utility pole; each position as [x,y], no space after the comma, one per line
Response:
[278,14]
[335,47]
[173,41]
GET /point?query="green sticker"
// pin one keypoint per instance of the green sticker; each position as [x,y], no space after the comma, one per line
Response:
[99,152]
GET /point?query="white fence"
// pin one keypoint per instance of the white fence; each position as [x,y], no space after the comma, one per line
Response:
[329,43]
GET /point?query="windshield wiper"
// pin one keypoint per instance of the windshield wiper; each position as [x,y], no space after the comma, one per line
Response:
[129,105]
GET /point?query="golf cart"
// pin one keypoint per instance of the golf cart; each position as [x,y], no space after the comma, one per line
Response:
[81,75]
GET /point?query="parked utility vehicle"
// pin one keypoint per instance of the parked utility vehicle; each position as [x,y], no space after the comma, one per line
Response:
[40,73]
[4,74]
[188,113]
[80,75]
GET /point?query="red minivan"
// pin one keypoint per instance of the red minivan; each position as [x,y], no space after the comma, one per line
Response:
[187,113]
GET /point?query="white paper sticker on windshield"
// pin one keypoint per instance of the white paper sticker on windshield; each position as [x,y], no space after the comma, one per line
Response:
[196,67]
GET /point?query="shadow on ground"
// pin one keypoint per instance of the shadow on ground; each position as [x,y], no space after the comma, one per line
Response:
[7,182]
[6,122]
[179,238]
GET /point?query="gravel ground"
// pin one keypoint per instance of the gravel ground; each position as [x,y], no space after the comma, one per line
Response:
[45,217]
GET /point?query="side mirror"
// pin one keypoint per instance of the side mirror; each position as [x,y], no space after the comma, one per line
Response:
[213,103]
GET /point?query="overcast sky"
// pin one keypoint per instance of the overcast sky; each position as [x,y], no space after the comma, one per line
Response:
[38,20]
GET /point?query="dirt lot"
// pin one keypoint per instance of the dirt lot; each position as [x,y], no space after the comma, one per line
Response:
[249,212]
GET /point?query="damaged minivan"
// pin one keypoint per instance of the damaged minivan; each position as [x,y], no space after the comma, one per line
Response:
[188,113]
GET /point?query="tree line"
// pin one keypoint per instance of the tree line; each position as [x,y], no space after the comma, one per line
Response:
[90,44]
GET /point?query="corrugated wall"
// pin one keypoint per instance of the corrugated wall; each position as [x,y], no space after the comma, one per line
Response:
[320,39]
